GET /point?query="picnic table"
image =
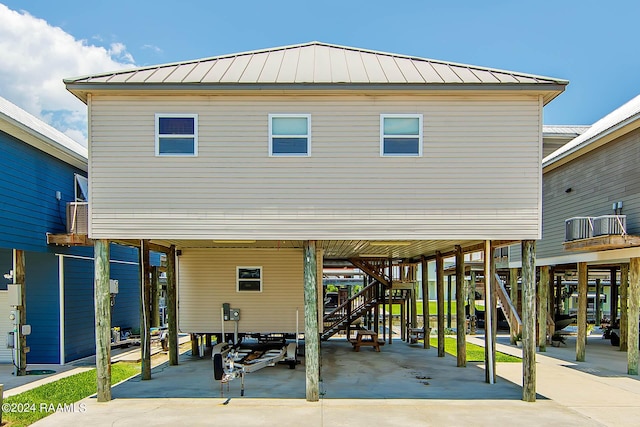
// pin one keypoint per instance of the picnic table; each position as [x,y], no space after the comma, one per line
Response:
[365,337]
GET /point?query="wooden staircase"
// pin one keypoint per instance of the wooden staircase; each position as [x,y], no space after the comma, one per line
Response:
[355,307]
[509,310]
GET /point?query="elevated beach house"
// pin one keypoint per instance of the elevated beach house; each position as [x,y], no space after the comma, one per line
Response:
[254,167]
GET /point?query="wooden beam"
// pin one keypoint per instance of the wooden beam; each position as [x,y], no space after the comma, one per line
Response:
[461,341]
[311,335]
[529,320]
[425,302]
[513,283]
[145,311]
[624,306]
[102,319]
[172,306]
[440,301]
[543,316]
[19,277]
[581,340]
[602,243]
[634,312]
[69,239]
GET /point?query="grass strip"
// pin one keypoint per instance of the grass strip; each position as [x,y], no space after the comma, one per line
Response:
[60,395]
[475,353]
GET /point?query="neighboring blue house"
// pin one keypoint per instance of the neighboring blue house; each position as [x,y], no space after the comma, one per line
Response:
[38,178]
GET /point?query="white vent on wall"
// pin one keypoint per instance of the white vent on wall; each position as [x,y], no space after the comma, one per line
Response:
[78,217]
[610,224]
[580,227]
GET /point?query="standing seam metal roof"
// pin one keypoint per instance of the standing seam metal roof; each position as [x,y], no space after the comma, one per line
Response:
[314,62]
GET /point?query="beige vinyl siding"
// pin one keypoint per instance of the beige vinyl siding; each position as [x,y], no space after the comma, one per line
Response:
[597,179]
[207,279]
[478,178]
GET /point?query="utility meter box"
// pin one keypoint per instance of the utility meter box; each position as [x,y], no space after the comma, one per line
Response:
[14,295]
[234,314]
[113,286]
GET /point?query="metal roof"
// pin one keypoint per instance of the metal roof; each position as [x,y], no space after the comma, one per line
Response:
[563,131]
[622,116]
[33,131]
[313,63]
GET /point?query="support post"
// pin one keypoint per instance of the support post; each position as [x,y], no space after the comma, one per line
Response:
[543,291]
[390,301]
[613,292]
[155,298]
[461,338]
[19,277]
[414,305]
[472,305]
[634,312]
[311,336]
[403,313]
[145,312]
[529,320]
[376,310]
[440,302]
[490,310]
[624,305]
[102,319]
[558,295]
[598,306]
[581,340]
[425,302]
[513,283]
[449,293]
[172,306]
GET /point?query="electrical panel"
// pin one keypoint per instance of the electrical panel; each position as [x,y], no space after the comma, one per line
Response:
[10,340]
[234,314]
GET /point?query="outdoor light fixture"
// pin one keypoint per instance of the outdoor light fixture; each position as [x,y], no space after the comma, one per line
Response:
[234,241]
[372,256]
[391,243]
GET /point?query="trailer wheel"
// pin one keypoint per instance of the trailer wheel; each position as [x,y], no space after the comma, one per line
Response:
[218,370]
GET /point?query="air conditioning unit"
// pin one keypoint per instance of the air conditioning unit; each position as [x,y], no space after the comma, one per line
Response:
[610,224]
[579,227]
[78,217]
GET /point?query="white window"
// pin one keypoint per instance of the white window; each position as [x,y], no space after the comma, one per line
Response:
[176,134]
[289,134]
[249,279]
[401,135]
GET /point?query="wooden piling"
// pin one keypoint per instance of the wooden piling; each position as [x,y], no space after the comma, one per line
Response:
[513,283]
[598,307]
[311,335]
[472,304]
[19,277]
[102,319]
[581,340]
[529,320]
[543,292]
[461,338]
[440,301]
[624,305]
[634,312]
[155,298]
[449,294]
[172,307]
[145,311]
[390,301]
[613,310]
[425,302]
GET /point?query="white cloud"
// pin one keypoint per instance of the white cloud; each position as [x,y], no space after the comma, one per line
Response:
[37,56]
[153,48]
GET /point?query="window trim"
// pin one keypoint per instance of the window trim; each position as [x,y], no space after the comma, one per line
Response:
[238,278]
[194,135]
[308,135]
[382,134]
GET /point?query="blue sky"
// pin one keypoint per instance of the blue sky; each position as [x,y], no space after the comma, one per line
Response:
[593,44]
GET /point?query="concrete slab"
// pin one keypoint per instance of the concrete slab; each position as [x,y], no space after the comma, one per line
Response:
[402,385]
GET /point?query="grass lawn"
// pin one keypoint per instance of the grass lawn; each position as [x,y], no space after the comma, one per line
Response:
[35,404]
[433,307]
[475,353]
